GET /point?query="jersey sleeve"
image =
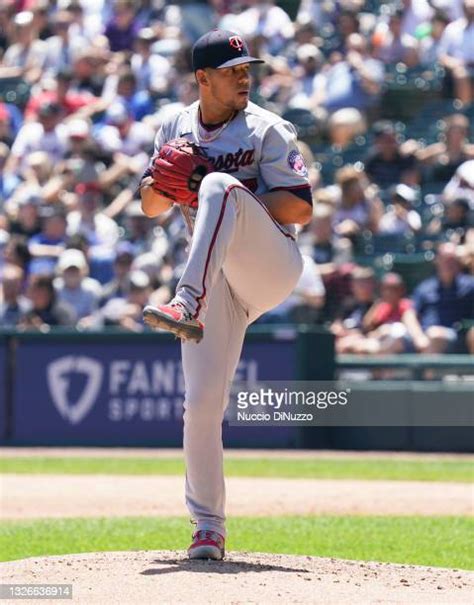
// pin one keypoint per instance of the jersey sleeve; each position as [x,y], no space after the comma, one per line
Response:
[160,140]
[282,165]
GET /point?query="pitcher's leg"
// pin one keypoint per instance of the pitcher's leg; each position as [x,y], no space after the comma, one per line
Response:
[235,232]
[209,368]
[213,230]
[263,263]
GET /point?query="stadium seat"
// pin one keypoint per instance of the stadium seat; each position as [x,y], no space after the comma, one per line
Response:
[414,268]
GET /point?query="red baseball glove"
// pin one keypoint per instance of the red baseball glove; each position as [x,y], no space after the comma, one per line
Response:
[178,170]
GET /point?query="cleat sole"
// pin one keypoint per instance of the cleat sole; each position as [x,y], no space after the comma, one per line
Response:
[154,319]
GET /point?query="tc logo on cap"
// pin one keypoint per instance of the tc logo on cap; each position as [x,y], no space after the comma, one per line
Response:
[236,42]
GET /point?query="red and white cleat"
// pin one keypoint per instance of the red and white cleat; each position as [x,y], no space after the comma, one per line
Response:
[174,318]
[207,545]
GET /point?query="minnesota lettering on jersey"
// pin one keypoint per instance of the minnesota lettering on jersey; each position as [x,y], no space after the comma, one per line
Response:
[231,162]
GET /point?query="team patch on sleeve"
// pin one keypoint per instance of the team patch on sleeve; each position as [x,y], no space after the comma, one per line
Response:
[296,162]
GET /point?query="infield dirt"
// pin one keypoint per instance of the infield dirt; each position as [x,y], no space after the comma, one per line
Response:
[167,577]
[40,496]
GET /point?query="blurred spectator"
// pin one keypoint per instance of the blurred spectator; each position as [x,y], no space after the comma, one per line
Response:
[86,85]
[400,218]
[344,125]
[453,8]
[38,169]
[50,242]
[89,220]
[138,228]
[348,327]
[444,301]
[127,312]
[62,46]
[122,87]
[66,176]
[456,52]
[86,18]
[6,130]
[46,310]
[89,71]
[151,70]
[119,286]
[26,57]
[391,325]
[69,101]
[8,181]
[321,243]
[347,24]
[385,164]
[443,158]
[122,28]
[196,17]
[48,134]
[309,84]
[16,252]
[72,285]
[313,11]
[263,20]
[458,219]
[393,45]
[123,135]
[353,82]
[42,19]
[429,45]
[5,26]
[26,220]
[461,184]
[414,14]
[356,208]
[13,305]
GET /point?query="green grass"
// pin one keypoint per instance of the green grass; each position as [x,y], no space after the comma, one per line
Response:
[437,541]
[382,468]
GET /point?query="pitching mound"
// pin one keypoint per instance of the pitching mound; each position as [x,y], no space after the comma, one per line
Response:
[168,577]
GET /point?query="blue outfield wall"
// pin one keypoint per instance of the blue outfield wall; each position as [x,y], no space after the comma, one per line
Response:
[127,389]
[4,387]
[123,389]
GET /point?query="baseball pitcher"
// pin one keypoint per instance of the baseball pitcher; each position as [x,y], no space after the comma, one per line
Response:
[237,174]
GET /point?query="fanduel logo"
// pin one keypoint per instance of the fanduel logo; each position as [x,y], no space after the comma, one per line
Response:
[60,373]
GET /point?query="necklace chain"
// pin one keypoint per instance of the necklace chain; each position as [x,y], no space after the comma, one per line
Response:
[206,136]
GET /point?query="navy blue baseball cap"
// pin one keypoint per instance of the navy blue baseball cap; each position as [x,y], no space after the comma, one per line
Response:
[220,48]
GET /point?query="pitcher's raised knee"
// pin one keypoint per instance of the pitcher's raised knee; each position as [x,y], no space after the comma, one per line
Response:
[216,183]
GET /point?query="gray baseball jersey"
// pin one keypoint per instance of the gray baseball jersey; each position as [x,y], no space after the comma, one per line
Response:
[257,147]
[241,263]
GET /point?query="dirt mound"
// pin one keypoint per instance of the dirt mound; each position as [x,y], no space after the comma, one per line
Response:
[168,577]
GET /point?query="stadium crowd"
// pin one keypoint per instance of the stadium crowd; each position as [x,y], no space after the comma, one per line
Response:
[381,94]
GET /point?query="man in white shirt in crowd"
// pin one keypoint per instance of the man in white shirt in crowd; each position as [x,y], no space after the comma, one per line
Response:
[151,69]
[62,47]
[74,287]
[456,53]
[25,58]
[401,218]
[48,134]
